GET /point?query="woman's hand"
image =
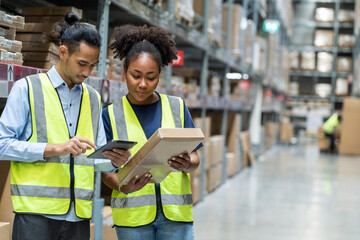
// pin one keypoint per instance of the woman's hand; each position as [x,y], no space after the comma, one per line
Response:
[184,162]
[136,183]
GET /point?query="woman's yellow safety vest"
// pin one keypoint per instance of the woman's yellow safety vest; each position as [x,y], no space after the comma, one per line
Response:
[48,187]
[139,208]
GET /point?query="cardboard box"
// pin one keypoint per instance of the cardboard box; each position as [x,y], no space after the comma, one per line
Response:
[233,133]
[10,45]
[44,19]
[40,56]
[232,164]
[9,57]
[32,37]
[205,125]
[286,132]
[342,87]
[324,14]
[308,61]
[346,16]
[55,11]
[344,64]
[214,177]
[8,33]
[216,149]
[324,38]
[6,208]
[294,60]
[236,30]
[195,188]
[325,62]
[11,21]
[154,154]
[40,47]
[346,40]
[214,21]
[350,129]
[108,231]
[5,231]
[42,65]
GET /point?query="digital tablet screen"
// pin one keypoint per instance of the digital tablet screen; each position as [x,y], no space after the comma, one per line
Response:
[125,145]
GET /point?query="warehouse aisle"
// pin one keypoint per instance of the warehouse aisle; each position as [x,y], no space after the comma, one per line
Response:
[292,193]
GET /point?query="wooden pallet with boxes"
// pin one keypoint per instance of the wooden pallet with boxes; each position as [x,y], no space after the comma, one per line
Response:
[40,45]
[10,48]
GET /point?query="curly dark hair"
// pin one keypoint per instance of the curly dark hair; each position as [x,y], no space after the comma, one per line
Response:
[130,41]
[71,33]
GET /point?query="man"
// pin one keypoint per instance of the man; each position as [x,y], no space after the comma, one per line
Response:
[330,127]
[50,120]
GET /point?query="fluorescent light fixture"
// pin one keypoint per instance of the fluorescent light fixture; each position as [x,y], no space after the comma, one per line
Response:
[234,76]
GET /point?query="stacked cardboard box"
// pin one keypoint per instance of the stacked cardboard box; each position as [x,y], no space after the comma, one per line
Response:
[344,64]
[324,62]
[40,45]
[237,32]
[346,40]
[272,133]
[324,38]
[308,61]
[248,42]
[9,47]
[324,14]
[233,155]
[342,87]
[248,157]
[286,130]
[350,129]
[184,11]
[6,209]
[294,57]
[214,21]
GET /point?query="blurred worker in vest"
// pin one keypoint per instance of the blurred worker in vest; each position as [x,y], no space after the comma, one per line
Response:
[330,126]
[143,210]
[50,123]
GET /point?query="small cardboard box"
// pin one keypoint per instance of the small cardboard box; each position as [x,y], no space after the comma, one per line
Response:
[154,154]
[214,177]
[8,33]
[5,231]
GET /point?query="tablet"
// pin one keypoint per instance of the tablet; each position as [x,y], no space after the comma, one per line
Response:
[125,145]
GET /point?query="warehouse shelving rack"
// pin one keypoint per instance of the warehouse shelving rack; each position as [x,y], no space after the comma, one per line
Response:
[337,27]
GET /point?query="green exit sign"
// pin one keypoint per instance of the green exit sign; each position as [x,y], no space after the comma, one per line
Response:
[271,26]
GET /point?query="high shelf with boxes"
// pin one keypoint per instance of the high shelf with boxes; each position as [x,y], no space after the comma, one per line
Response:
[356,56]
[320,60]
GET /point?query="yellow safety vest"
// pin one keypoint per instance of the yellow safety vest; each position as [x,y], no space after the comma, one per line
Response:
[139,208]
[48,187]
[330,124]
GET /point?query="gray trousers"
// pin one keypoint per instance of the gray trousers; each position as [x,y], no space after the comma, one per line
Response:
[36,227]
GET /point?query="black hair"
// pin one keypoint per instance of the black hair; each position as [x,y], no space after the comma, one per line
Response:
[71,33]
[130,41]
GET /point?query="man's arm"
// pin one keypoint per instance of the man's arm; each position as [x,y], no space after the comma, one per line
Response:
[16,129]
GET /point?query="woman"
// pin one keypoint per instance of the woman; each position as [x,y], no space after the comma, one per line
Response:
[143,210]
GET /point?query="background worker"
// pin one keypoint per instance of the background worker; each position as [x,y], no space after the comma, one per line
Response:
[330,126]
[50,120]
[143,210]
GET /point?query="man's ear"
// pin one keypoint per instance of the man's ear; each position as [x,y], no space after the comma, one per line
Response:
[63,51]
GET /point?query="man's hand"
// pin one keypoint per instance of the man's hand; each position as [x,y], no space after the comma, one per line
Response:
[117,156]
[75,146]
[136,183]
[180,162]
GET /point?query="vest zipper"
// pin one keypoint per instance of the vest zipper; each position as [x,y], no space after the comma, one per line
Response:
[72,179]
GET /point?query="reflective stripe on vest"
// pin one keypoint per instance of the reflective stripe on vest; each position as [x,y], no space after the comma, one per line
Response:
[139,208]
[43,187]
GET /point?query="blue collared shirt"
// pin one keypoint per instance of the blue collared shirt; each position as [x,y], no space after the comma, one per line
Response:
[15,127]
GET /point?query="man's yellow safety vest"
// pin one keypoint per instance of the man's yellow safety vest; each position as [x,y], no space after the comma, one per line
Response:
[139,208]
[48,187]
[330,124]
